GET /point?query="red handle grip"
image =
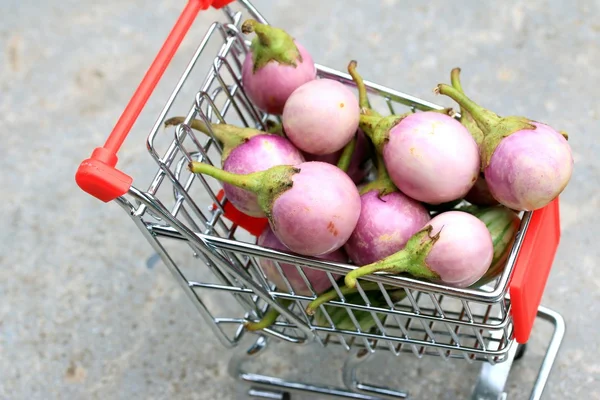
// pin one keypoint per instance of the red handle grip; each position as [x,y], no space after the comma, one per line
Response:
[97,175]
[532,268]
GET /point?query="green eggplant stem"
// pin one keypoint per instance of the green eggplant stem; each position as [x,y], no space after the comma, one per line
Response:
[375,126]
[409,260]
[465,118]
[484,118]
[332,294]
[251,182]
[363,99]
[230,136]
[268,319]
[224,131]
[196,124]
[382,172]
[347,153]
[455,79]
[341,320]
[268,185]
[383,184]
[493,127]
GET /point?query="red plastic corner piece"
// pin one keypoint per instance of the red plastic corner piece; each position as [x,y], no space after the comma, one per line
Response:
[532,268]
[98,176]
[252,224]
[204,4]
[221,3]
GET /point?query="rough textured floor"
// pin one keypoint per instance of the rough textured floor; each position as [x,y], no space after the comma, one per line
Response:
[81,314]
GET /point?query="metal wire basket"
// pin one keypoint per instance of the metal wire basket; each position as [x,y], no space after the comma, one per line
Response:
[210,247]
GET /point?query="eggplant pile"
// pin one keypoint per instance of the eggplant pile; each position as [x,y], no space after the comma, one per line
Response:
[446,195]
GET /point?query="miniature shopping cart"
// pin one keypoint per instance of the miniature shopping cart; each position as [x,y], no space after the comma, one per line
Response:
[209,246]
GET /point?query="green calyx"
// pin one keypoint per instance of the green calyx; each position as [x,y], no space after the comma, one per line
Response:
[465,118]
[493,127]
[229,136]
[376,126]
[268,185]
[271,44]
[383,184]
[410,260]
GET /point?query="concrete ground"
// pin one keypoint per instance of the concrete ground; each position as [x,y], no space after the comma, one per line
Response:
[82,316]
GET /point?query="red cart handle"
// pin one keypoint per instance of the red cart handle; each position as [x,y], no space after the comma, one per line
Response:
[97,175]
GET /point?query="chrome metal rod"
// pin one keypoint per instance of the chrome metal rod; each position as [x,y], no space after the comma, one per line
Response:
[492,378]
[218,259]
[333,267]
[267,394]
[272,385]
[555,341]
[297,387]
[172,267]
[349,376]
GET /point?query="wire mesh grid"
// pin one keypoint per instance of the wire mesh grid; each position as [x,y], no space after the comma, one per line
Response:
[215,260]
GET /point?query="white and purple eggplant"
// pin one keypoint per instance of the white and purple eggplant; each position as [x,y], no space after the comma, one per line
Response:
[312,207]
[318,279]
[246,150]
[527,164]
[321,116]
[429,155]
[503,225]
[455,249]
[388,218]
[275,66]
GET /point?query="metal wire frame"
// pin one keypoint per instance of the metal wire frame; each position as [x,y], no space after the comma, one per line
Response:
[433,319]
[439,328]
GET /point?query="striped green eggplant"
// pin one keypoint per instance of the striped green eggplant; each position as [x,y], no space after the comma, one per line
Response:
[503,225]
[340,317]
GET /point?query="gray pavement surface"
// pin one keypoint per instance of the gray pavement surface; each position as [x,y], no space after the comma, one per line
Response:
[81,314]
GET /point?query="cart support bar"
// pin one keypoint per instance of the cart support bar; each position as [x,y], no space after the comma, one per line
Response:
[97,175]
